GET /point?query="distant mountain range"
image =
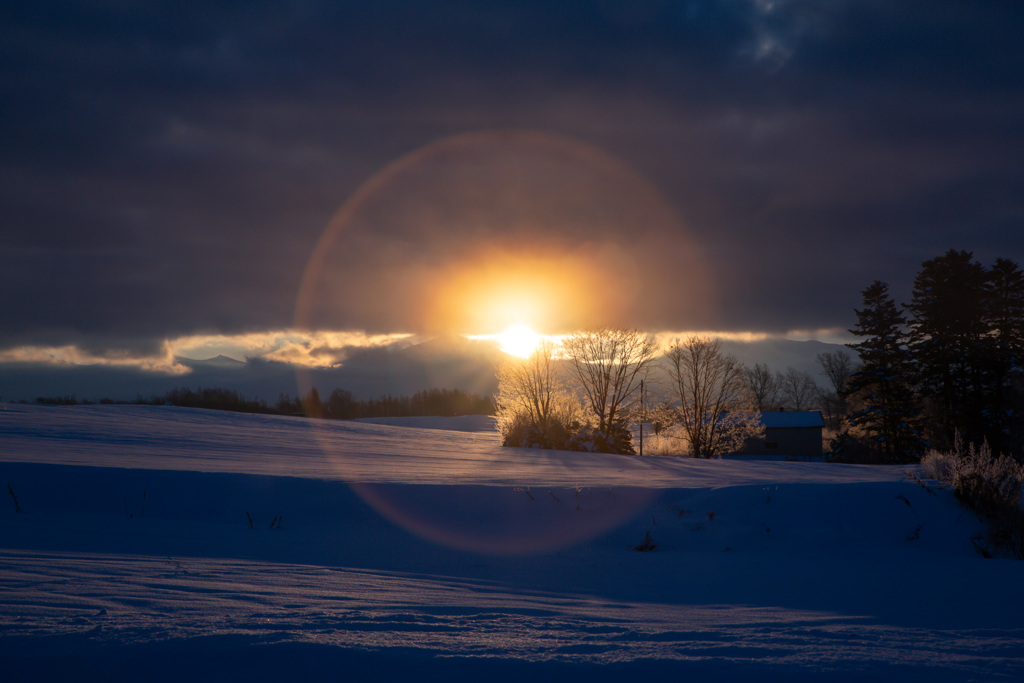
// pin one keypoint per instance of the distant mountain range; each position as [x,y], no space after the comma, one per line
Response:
[780,354]
[448,362]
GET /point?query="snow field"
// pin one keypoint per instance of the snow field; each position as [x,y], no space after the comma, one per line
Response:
[450,556]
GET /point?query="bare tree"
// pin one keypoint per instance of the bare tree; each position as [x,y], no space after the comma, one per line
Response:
[798,388]
[764,384]
[837,366]
[717,410]
[533,395]
[609,363]
[661,416]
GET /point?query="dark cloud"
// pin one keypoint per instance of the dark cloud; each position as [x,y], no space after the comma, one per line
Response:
[168,169]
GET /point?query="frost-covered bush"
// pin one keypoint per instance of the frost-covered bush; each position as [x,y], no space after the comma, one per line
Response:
[990,485]
[669,442]
[618,439]
[939,465]
[535,406]
[520,431]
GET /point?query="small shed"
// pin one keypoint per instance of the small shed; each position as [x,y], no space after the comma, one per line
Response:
[789,433]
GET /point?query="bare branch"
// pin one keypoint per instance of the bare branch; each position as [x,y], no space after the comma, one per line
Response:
[609,363]
[717,411]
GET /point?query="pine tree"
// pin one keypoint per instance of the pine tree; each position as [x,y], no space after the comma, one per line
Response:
[948,341]
[1004,354]
[887,411]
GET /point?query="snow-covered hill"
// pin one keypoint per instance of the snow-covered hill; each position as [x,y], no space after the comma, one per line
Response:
[159,543]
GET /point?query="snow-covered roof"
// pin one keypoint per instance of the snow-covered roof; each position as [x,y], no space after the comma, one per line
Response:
[792,418]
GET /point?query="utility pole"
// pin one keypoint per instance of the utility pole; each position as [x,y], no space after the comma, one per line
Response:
[643,417]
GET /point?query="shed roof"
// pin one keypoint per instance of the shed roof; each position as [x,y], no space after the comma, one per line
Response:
[792,419]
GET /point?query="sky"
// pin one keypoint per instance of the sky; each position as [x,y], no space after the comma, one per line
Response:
[292,181]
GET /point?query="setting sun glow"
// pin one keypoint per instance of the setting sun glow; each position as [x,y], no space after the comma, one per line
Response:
[518,340]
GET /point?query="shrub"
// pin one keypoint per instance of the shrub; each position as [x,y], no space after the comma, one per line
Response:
[668,443]
[520,431]
[647,545]
[618,439]
[939,465]
[848,448]
[989,485]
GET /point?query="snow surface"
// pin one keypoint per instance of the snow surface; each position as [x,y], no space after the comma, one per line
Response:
[416,552]
[459,423]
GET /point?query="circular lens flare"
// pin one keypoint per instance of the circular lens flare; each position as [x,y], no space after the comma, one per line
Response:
[465,236]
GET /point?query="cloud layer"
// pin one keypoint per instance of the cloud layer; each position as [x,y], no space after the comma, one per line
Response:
[171,170]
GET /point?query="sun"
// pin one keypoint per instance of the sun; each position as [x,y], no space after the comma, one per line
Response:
[518,340]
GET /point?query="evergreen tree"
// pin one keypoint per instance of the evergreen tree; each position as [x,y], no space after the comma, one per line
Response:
[887,410]
[1004,354]
[948,341]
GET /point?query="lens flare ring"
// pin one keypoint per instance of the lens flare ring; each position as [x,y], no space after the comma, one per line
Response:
[474,234]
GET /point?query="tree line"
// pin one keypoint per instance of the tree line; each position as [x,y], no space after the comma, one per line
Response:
[590,390]
[798,390]
[585,392]
[948,364]
[341,404]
